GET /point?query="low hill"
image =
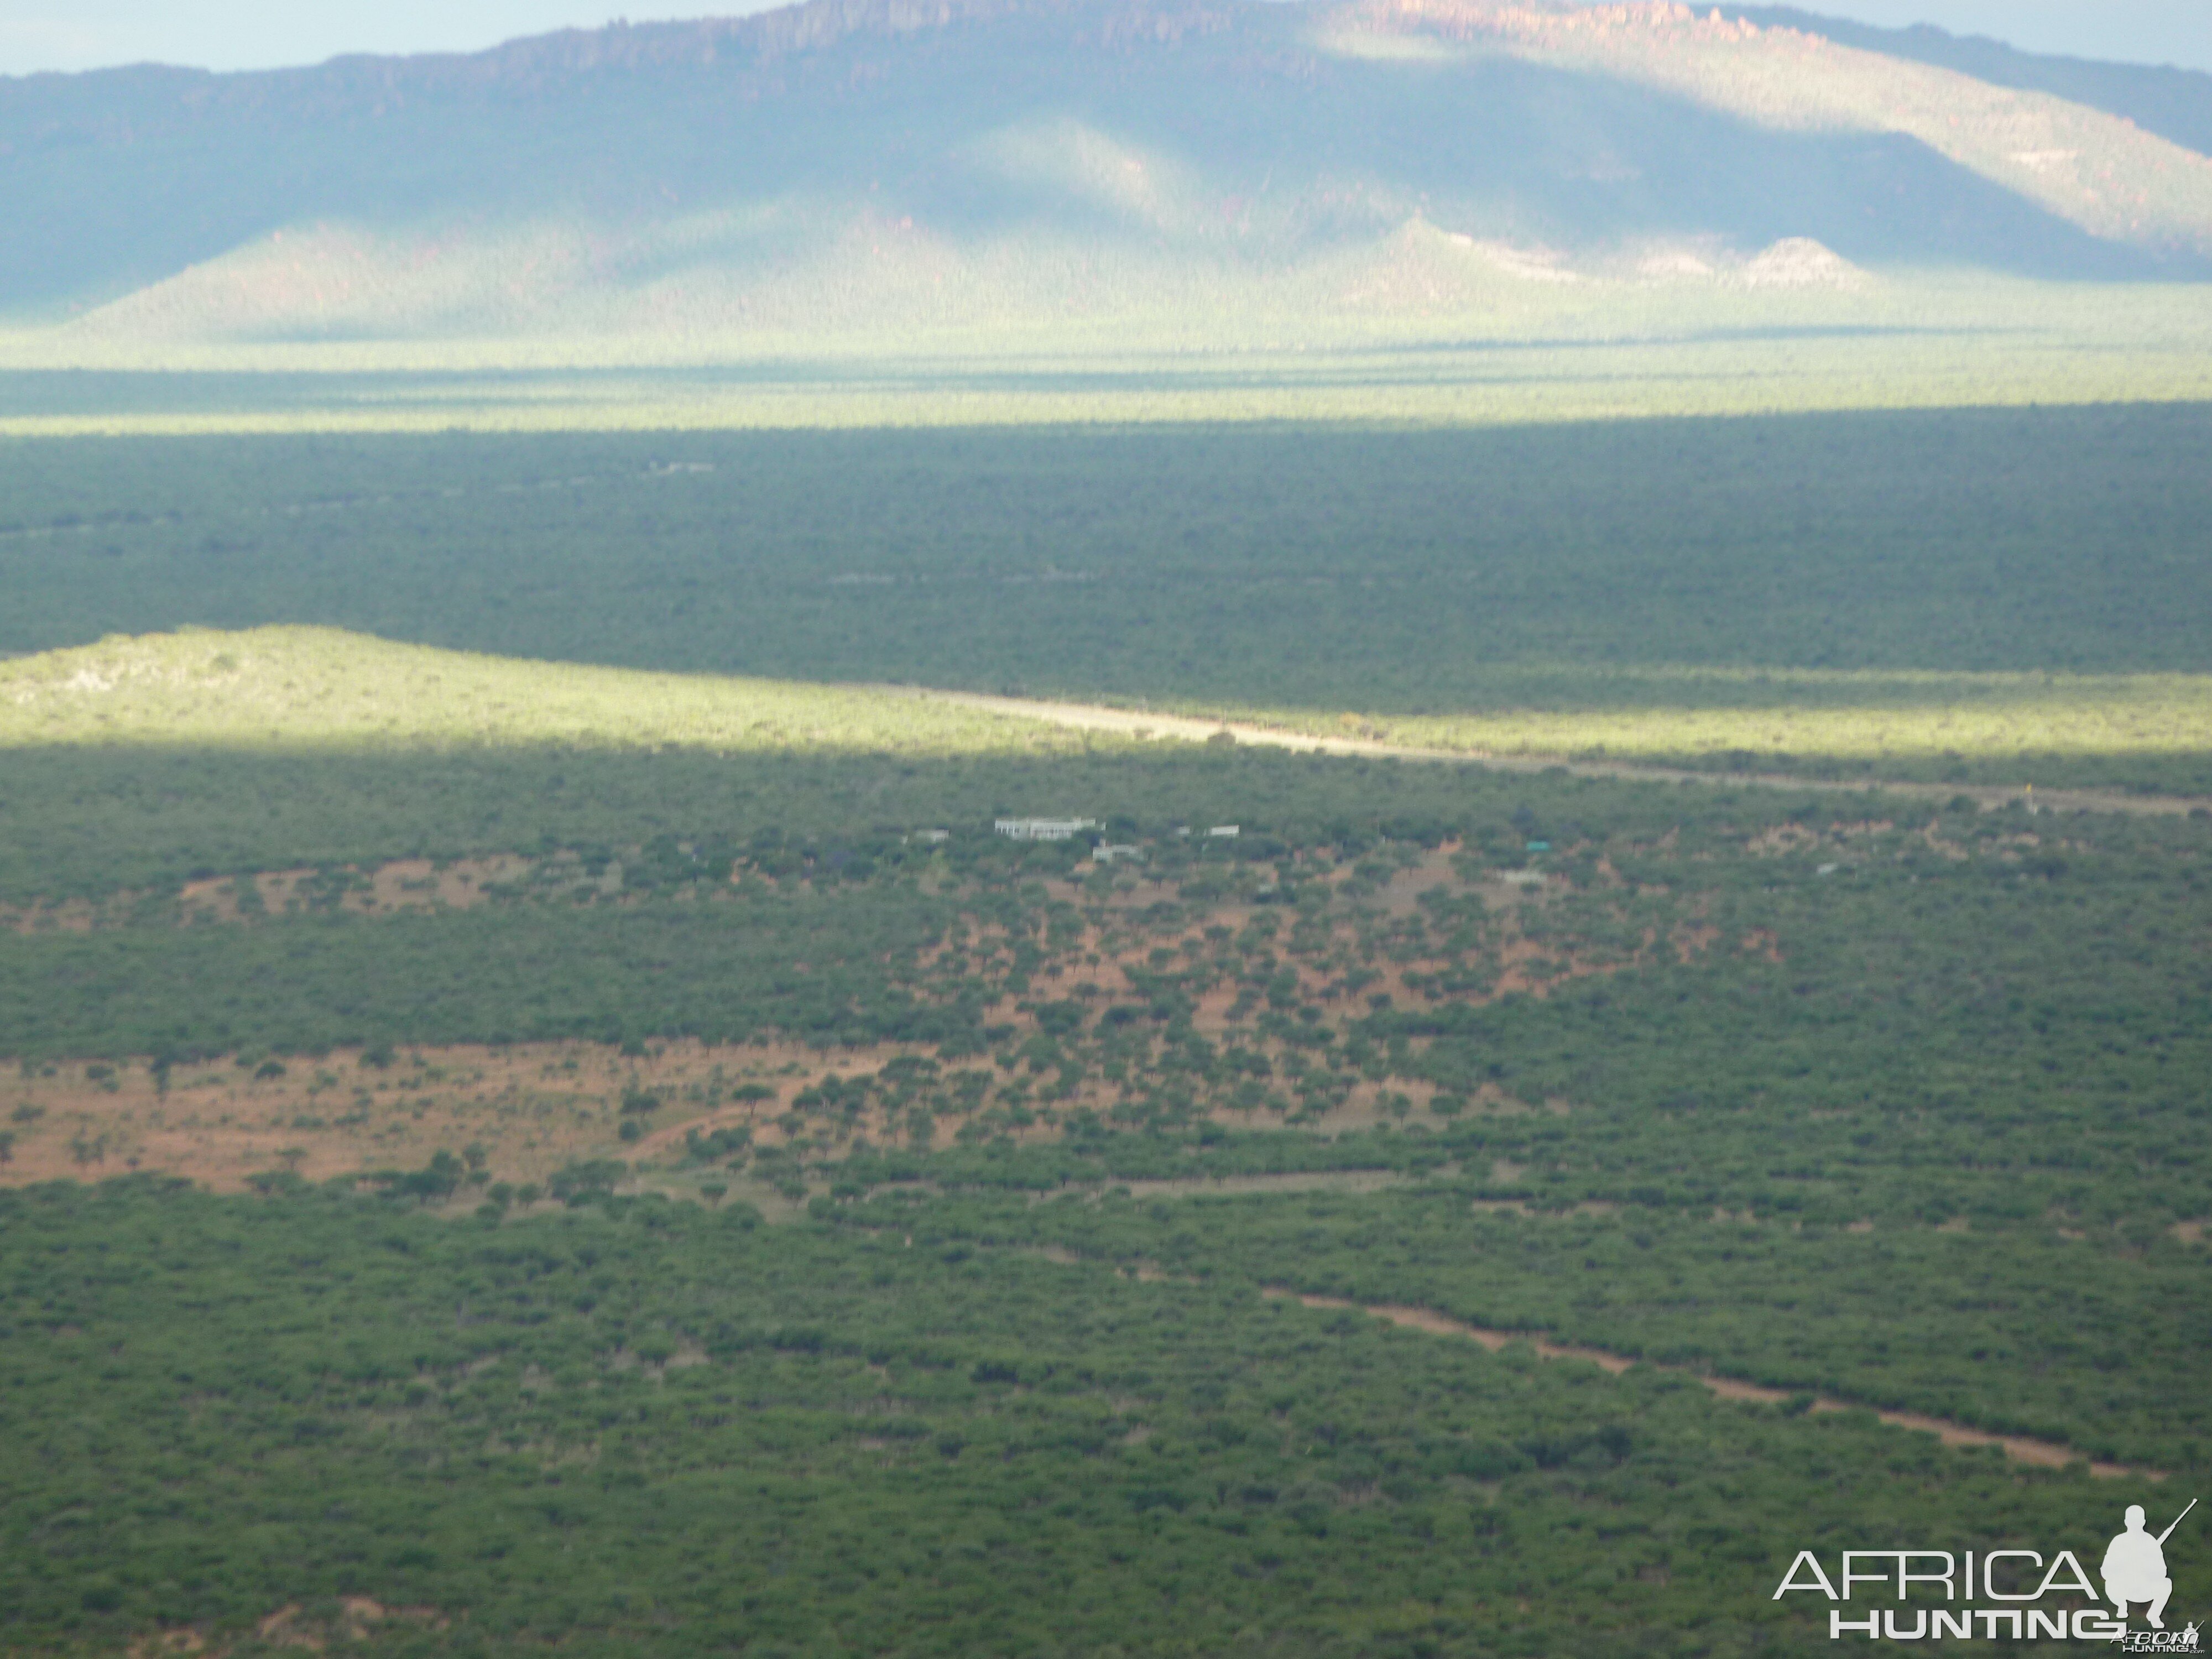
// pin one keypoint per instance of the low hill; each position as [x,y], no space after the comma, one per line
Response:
[963,163]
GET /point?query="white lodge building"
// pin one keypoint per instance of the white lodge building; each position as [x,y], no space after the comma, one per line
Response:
[1043,828]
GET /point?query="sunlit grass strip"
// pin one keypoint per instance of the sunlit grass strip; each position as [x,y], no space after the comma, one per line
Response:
[280,688]
[291,688]
[2152,728]
[1606,349]
[1537,401]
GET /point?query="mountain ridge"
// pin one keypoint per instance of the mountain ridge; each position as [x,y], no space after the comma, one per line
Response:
[2173,102]
[1156,139]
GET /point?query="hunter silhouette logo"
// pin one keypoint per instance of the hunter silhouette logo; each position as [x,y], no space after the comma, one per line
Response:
[2024,1596]
[2135,1567]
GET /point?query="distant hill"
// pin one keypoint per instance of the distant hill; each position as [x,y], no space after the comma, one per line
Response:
[2173,103]
[967,161]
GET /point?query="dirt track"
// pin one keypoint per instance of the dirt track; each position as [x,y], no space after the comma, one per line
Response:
[1091,717]
[2043,1454]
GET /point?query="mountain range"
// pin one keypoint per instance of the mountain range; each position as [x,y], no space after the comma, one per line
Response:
[951,160]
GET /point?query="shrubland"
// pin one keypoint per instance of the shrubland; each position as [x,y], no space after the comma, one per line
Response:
[644,1424]
[1846,595]
[688,1182]
[1673,1066]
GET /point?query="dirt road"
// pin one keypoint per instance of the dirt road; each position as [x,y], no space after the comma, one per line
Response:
[1092,717]
[2043,1454]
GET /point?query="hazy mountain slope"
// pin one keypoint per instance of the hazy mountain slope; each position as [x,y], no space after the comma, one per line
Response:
[2093,170]
[2173,103]
[956,163]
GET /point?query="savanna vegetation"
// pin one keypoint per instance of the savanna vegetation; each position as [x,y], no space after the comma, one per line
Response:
[1698,1060]
[1997,596]
[639,1424]
[681,1180]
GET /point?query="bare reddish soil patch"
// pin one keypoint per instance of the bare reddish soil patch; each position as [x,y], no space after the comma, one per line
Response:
[520,1113]
[345,1623]
[533,1108]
